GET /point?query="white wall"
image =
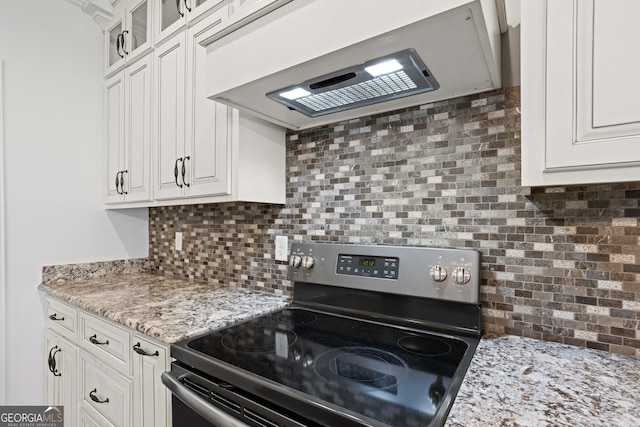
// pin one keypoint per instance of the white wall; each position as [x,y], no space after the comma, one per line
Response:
[53,142]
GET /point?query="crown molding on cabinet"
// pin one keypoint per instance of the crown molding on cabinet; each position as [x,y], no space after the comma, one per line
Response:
[100,11]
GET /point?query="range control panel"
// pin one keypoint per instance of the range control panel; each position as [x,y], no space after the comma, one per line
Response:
[439,273]
[368,266]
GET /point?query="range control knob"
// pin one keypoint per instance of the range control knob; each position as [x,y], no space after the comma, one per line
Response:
[308,262]
[461,276]
[438,273]
[295,261]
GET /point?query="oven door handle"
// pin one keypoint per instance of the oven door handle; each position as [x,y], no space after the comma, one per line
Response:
[203,408]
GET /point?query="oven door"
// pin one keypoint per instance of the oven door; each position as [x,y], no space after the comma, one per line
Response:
[199,401]
[184,416]
[192,405]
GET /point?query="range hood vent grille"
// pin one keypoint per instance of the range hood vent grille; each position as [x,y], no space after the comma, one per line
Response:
[360,85]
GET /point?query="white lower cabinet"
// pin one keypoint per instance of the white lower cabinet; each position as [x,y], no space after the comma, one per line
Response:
[61,375]
[103,373]
[151,399]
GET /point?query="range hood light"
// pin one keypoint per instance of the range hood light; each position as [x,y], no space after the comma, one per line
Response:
[385,67]
[389,77]
[295,93]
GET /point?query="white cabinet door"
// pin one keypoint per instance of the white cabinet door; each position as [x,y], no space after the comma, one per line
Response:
[128,133]
[114,58]
[169,118]
[580,91]
[173,15]
[128,36]
[114,108]
[151,399]
[138,37]
[68,362]
[137,110]
[208,123]
[61,375]
[51,392]
[199,8]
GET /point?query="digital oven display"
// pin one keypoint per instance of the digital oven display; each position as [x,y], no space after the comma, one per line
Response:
[367,262]
[368,266]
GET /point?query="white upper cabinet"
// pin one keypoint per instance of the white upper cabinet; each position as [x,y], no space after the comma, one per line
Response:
[128,133]
[169,117]
[192,132]
[129,34]
[167,143]
[580,92]
[173,15]
[203,146]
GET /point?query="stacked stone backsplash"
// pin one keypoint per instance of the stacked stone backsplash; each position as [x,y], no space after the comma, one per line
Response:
[559,263]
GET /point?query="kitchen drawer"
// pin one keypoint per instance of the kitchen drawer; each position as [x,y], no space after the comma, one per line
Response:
[86,420]
[61,317]
[107,342]
[105,391]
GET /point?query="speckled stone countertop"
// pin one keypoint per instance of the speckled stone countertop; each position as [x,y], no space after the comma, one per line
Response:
[515,381]
[512,381]
[166,308]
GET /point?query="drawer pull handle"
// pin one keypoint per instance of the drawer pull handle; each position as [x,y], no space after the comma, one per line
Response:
[95,398]
[142,352]
[94,340]
[54,316]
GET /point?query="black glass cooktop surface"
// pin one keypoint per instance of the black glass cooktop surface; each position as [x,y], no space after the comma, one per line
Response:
[392,375]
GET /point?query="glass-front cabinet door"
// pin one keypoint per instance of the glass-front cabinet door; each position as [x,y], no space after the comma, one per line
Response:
[115,57]
[173,15]
[129,34]
[139,27]
[200,7]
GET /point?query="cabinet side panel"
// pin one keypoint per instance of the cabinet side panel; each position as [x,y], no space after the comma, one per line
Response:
[261,176]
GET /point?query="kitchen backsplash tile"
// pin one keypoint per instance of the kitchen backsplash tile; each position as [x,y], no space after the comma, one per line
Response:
[559,263]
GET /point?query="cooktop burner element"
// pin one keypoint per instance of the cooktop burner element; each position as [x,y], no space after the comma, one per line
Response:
[361,367]
[376,336]
[296,317]
[425,346]
[258,339]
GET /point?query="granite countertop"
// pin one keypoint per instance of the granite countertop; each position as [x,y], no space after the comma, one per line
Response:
[514,381]
[166,308]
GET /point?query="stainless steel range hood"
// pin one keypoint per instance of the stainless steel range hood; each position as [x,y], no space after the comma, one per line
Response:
[303,65]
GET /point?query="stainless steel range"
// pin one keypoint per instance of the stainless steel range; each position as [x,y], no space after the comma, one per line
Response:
[375,336]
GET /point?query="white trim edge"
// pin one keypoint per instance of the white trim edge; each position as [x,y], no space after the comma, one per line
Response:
[3,307]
